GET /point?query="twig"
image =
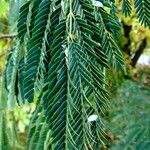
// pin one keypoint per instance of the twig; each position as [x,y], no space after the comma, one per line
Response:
[8,36]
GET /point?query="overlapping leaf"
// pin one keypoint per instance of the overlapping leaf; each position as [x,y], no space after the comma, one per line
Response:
[35,50]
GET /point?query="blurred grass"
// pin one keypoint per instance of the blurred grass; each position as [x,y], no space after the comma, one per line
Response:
[129,115]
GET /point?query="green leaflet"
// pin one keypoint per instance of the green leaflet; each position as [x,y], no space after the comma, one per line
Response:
[34,51]
[22,26]
[110,47]
[20,95]
[58,83]
[126,7]
[37,125]
[4,141]
[11,76]
[35,10]
[80,96]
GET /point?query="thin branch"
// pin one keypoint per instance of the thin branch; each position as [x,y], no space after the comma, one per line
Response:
[8,36]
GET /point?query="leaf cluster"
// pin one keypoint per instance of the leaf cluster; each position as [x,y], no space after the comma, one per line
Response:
[60,57]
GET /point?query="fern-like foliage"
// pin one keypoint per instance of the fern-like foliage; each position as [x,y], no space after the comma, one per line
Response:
[143,11]
[38,131]
[11,75]
[61,53]
[142,8]
[126,7]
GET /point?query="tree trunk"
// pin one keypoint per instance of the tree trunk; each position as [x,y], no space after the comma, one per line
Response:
[138,53]
[127,30]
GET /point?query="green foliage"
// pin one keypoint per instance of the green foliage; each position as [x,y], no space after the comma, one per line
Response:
[59,61]
[13,14]
[143,11]
[38,131]
[4,143]
[142,8]
[62,50]
[11,73]
[126,8]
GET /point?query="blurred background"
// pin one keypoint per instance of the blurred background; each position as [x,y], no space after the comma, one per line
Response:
[128,119]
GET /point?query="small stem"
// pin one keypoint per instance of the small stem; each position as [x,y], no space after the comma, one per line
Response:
[5,36]
[71,16]
[71,6]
